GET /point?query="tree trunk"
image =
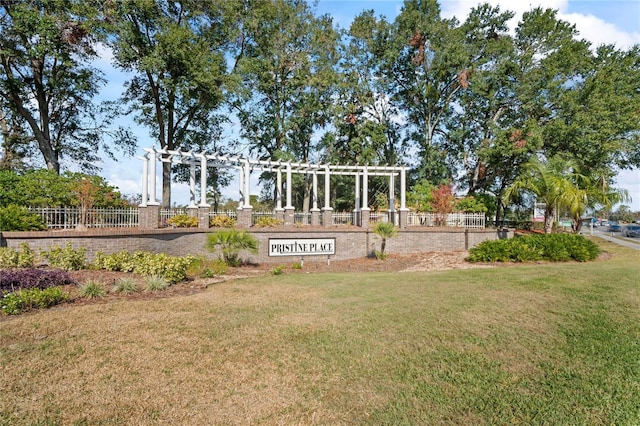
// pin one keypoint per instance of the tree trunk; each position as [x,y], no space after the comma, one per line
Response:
[549,218]
[166,185]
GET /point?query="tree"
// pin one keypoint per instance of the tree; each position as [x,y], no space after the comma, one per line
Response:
[555,182]
[176,50]
[288,78]
[384,230]
[46,81]
[231,242]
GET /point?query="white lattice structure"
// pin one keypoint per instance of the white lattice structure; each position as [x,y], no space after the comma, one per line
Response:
[244,166]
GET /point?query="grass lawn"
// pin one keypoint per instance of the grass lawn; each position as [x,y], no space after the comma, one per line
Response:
[545,344]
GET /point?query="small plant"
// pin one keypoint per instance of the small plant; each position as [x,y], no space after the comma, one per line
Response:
[24,300]
[28,278]
[297,265]
[66,258]
[207,268]
[156,283]
[230,243]
[92,290]
[12,258]
[15,218]
[125,286]
[171,268]
[384,230]
[277,270]
[268,222]
[222,221]
[183,221]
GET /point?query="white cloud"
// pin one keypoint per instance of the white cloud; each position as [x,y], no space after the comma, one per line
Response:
[599,32]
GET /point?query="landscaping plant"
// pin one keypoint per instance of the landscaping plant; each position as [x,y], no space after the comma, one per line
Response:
[230,242]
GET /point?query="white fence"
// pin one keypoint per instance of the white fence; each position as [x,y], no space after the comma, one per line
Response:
[72,217]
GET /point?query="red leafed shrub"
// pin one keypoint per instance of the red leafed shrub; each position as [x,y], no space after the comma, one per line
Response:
[29,278]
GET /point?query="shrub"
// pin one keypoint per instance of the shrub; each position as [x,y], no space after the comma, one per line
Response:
[12,258]
[28,278]
[92,290]
[384,230]
[268,222]
[156,283]
[67,258]
[15,218]
[183,221]
[222,221]
[24,300]
[231,242]
[207,268]
[552,247]
[277,270]
[125,286]
[171,268]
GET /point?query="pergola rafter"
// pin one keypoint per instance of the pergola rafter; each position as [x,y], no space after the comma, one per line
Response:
[244,166]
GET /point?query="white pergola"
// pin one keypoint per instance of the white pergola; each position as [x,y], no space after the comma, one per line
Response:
[244,166]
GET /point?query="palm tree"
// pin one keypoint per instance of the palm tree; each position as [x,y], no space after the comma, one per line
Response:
[231,241]
[384,230]
[555,182]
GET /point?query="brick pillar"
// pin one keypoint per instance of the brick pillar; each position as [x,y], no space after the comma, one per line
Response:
[364,217]
[327,216]
[315,217]
[203,217]
[288,216]
[280,214]
[244,217]
[403,218]
[149,216]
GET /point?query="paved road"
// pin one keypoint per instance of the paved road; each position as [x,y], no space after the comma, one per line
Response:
[617,238]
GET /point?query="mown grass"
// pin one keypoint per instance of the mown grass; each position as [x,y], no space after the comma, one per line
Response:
[532,344]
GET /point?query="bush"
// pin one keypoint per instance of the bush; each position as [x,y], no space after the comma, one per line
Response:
[268,222]
[67,258]
[207,268]
[183,221]
[24,300]
[29,278]
[11,258]
[171,268]
[92,290]
[551,247]
[156,283]
[222,222]
[125,286]
[231,242]
[15,218]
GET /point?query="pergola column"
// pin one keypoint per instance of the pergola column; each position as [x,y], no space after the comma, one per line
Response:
[279,209]
[392,201]
[244,208]
[150,208]
[203,208]
[327,211]
[403,221]
[315,211]
[356,210]
[366,212]
[288,209]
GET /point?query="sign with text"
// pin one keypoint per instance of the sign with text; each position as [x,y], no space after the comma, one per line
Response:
[301,246]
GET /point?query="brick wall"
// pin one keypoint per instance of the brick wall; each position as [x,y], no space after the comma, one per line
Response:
[351,242]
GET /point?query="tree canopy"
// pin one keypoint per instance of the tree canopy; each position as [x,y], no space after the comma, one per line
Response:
[469,103]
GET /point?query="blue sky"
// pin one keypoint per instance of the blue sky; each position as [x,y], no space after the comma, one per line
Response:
[599,21]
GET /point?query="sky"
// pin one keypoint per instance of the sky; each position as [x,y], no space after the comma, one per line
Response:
[598,21]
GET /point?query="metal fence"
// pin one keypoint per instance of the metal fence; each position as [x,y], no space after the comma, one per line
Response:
[74,217]
[455,220]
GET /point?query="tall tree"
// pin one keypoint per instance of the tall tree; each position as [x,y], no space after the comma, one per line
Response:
[46,81]
[287,73]
[176,51]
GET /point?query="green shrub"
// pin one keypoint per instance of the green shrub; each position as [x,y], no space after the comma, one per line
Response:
[278,270]
[12,258]
[551,247]
[8,258]
[183,221]
[207,268]
[92,290]
[24,300]
[230,242]
[15,218]
[297,265]
[156,283]
[222,221]
[66,258]
[125,286]
[171,268]
[268,222]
